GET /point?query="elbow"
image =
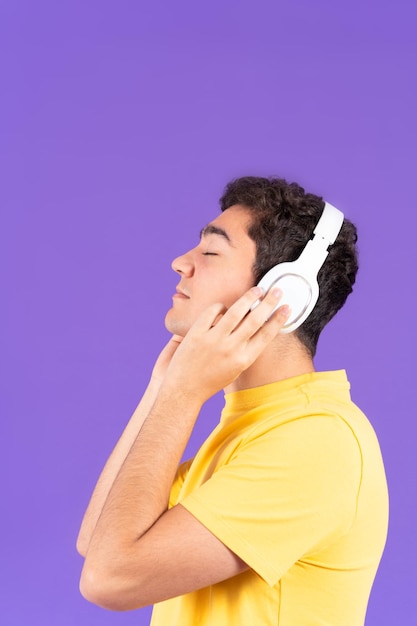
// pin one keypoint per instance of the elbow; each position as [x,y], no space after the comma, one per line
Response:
[97,588]
[108,589]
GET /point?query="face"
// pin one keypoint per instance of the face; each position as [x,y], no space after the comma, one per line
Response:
[219,269]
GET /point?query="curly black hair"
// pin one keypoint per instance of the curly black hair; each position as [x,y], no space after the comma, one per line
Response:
[283,220]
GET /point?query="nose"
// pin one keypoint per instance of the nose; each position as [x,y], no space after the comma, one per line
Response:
[183,265]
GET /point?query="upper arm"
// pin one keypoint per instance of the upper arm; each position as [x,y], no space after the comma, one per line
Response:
[176,555]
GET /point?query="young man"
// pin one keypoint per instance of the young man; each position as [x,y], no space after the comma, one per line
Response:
[281,517]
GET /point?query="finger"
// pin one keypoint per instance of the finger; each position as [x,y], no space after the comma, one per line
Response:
[256,318]
[269,330]
[264,310]
[209,317]
[239,310]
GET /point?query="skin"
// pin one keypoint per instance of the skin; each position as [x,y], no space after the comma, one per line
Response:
[134,552]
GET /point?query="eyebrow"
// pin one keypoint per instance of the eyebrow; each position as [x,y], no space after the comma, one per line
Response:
[210,229]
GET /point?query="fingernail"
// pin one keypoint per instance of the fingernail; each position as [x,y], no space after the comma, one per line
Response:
[276,292]
[285,309]
[257,291]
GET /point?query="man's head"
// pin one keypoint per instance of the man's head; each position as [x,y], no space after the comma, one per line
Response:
[283,218]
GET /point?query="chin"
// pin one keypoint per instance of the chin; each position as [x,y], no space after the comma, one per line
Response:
[176,326]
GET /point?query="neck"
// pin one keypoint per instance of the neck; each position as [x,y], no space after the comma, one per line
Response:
[285,358]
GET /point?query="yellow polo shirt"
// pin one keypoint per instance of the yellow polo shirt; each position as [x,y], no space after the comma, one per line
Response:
[292,481]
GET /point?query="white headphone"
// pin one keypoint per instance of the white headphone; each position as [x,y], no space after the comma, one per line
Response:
[298,279]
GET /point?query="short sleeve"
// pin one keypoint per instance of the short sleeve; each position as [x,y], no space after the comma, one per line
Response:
[285,493]
[178,482]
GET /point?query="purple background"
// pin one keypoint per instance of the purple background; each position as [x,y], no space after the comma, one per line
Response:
[120,124]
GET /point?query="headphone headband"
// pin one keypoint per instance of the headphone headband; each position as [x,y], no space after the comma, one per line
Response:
[329,225]
[324,235]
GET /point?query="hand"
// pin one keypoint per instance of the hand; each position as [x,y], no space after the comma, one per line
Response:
[164,359]
[222,343]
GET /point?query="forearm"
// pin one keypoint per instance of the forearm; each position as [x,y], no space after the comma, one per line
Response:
[112,468]
[140,492]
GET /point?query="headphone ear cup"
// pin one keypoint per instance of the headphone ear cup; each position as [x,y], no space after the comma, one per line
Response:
[299,291]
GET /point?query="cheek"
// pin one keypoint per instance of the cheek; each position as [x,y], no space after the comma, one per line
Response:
[232,290]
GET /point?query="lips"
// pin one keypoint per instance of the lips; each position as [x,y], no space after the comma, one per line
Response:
[180,293]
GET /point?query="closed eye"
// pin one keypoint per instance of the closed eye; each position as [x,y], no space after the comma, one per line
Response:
[210,254]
